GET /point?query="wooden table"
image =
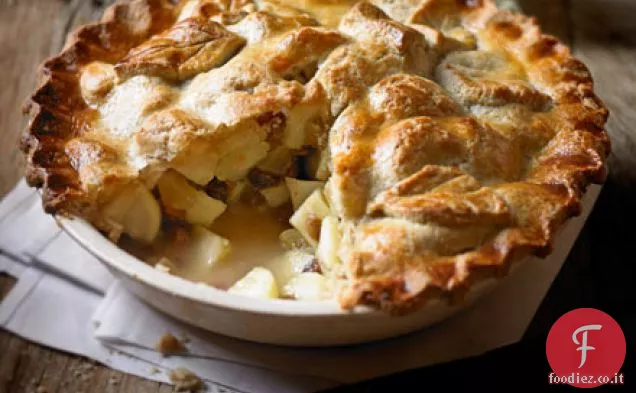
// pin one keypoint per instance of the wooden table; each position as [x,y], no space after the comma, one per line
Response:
[598,271]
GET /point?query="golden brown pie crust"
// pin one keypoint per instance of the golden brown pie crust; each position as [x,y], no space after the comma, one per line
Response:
[463,137]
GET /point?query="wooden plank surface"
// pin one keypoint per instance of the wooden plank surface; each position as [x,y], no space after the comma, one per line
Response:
[605,39]
[603,35]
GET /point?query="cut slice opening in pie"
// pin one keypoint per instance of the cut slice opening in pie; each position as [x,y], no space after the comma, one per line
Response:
[378,152]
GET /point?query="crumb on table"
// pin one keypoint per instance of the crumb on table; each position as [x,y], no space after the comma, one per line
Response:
[185,380]
[169,344]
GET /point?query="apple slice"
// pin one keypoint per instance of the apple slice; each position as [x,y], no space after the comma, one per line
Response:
[136,211]
[330,236]
[299,190]
[308,218]
[178,195]
[307,286]
[301,125]
[276,196]
[277,162]
[259,283]
[198,164]
[203,247]
[236,164]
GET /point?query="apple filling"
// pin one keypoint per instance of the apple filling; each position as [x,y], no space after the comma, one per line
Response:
[217,173]
[267,236]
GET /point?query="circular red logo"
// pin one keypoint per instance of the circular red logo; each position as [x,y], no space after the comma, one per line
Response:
[585,348]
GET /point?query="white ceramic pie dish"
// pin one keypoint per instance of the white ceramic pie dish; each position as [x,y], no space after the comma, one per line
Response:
[282,322]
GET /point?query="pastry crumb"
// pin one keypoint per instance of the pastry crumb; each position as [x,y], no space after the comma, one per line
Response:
[154,371]
[185,380]
[83,372]
[169,344]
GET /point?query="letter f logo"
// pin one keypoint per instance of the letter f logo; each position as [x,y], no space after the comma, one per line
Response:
[584,347]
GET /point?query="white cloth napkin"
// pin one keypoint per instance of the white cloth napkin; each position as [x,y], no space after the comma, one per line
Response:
[66,299]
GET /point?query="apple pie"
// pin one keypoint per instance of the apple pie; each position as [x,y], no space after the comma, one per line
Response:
[381,152]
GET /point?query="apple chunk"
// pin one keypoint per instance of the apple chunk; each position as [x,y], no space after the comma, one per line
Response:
[299,190]
[330,236]
[196,206]
[136,211]
[278,161]
[307,286]
[308,218]
[317,164]
[202,248]
[292,239]
[276,196]
[236,164]
[259,283]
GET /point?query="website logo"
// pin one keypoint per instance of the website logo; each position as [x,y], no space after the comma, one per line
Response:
[586,348]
